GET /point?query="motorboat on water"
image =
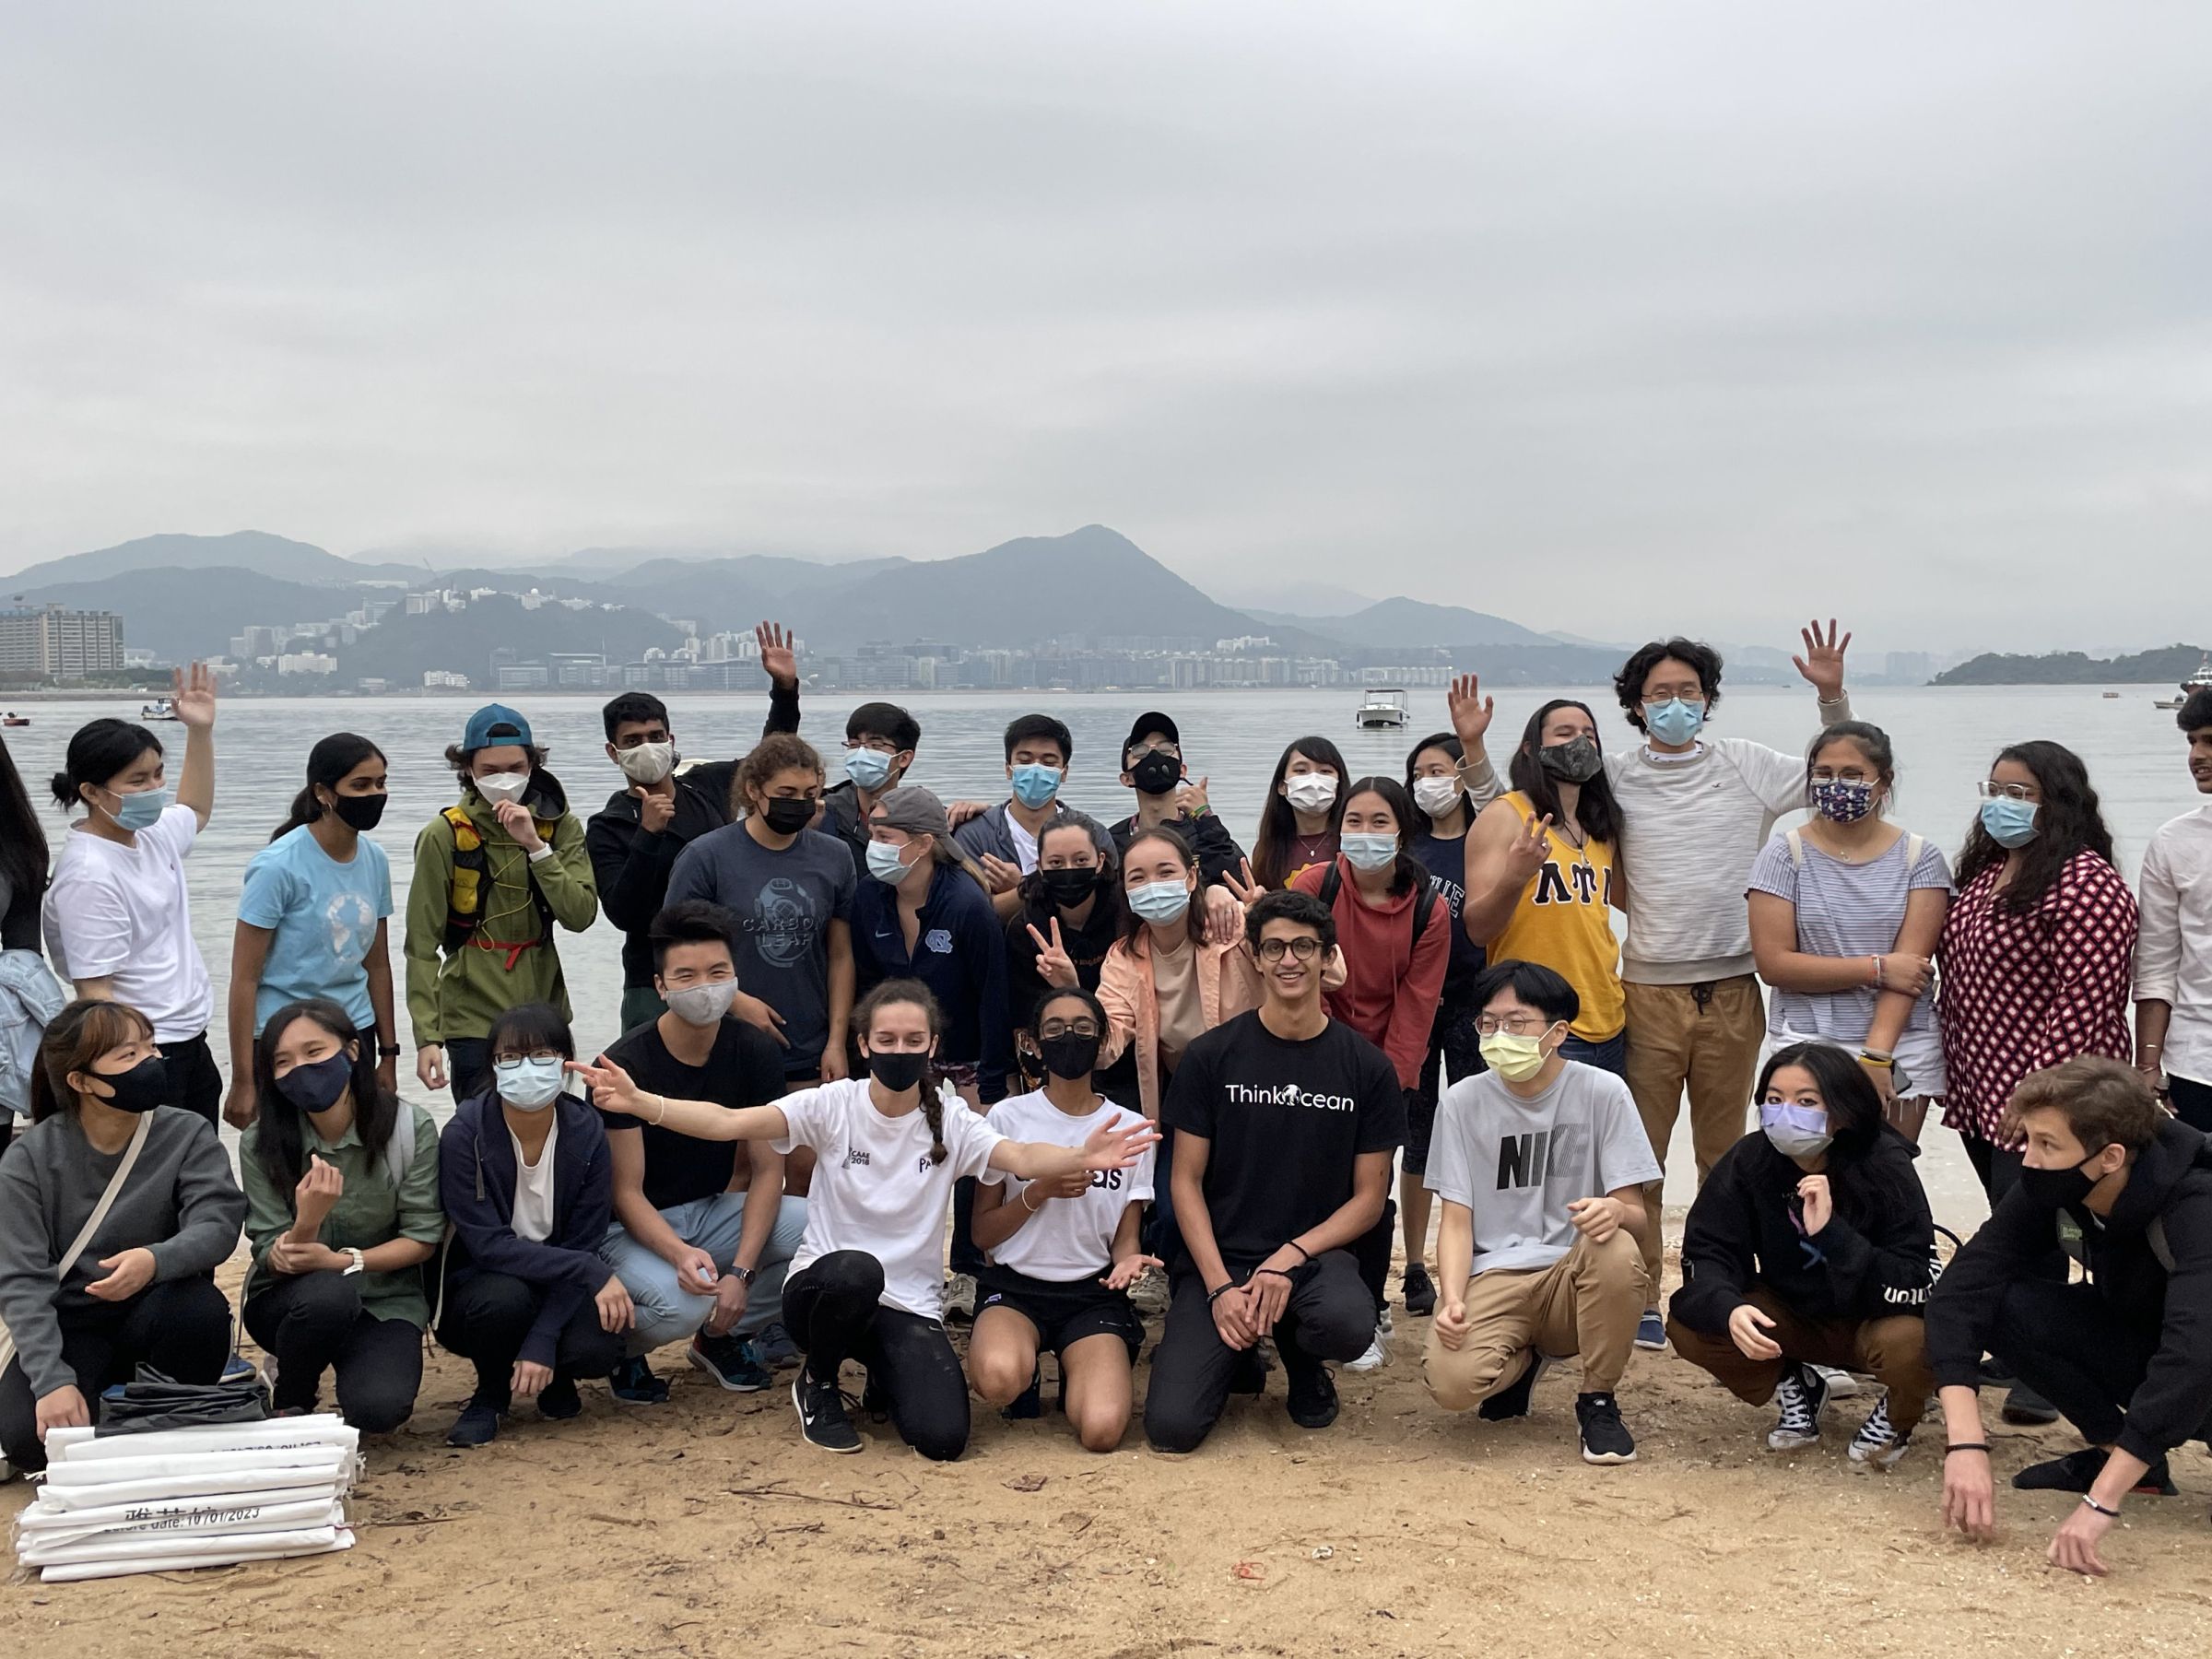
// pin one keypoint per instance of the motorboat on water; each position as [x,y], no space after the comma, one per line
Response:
[160,709]
[1384,709]
[2199,681]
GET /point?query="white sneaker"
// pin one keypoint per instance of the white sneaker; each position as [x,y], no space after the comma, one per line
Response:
[1877,1443]
[1376,1357]
[1841,1385]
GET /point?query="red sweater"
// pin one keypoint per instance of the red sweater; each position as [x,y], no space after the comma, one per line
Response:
[1391,986]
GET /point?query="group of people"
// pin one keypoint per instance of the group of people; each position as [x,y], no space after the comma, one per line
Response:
[1097,1069]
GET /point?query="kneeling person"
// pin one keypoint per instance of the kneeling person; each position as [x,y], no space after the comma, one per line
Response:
[1539,1163]
[1063,1253]
[1285,1124]
[1809,1245]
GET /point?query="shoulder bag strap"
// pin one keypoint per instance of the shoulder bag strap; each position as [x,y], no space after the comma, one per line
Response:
[83,1240]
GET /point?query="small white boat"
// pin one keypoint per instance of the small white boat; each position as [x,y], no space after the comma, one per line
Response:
[1383,711]
[2199,681]
[160,709]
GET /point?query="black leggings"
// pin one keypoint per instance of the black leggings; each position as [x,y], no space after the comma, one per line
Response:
[315,1323]
[833,1314]
[487,1319]
[180,1328]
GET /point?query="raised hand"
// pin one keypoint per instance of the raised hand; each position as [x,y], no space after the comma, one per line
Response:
[1224,916]
[1118,1145]
[192,695]
[1471,712]
[778,660]
[1193,798]
[316,1195]
[656,809]
[1246,892]
[1055,966]
[515,817]
[612,1089]
[1819,1203]
[1822,663]
[1529,848]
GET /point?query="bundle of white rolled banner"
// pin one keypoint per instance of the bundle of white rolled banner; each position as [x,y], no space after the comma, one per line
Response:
[179,1498]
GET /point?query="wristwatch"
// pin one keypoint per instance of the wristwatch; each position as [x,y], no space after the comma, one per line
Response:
[355,1262]
[387,1051]
[743,1275]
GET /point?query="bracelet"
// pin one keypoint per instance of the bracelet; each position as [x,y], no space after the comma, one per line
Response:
[1213,1296]
[1981,1446]
[1025,1199]
[2151,1048]
[1294,1244]
[1879,975]
[387,1051]
[2100,1508]
[1281,1273]
[1883,1061]
[663,1111]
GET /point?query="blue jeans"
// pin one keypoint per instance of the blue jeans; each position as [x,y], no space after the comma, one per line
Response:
[668,1311]
[1612,1054]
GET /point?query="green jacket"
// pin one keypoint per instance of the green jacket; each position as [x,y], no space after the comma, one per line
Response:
[461,995]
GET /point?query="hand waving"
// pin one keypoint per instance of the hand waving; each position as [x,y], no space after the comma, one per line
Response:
[1118,1145]
[1471,712]
[779,660]
[1822,663]
[192,695]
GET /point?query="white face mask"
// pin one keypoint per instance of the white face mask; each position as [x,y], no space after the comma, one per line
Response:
[529,1085]
[702,1005]
[499,788]
[1436,796]
[648,764]
[1310,792]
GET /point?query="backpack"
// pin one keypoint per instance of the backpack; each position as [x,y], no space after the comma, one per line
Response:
[464,895]
[1332,883]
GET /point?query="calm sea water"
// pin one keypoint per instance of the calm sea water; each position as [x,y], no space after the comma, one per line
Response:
[1944,740]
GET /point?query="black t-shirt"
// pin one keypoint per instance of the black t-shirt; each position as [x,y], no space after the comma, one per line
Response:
[1286,1121]
[745,1068]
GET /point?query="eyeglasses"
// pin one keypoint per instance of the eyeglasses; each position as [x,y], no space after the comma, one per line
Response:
[1655,698]
[1991,791]
[1068,1028]
[882,746]
[1513,1025]
[1169,749]
[541,1056]
[1304,951]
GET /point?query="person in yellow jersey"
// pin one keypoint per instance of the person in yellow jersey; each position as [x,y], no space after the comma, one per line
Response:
[1543,875]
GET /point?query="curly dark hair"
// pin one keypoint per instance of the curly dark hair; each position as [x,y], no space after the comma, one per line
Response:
[2069,820]
[1627,685]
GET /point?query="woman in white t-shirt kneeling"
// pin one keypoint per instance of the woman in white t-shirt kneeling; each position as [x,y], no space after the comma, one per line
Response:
[868,1283]
[1062,1251]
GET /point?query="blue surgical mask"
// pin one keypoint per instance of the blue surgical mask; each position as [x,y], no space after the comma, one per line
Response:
[1675,721]
[1369,853]
[2010,823]
[1034,785]
[1160,902]
[527,1084]
[885,863]
[143,810]
[869,769]
[1796,1131]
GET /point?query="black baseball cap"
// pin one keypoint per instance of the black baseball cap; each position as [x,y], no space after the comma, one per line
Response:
[1146,725]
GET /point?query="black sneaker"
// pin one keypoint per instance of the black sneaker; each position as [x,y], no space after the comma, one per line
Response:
[1606,1439]
[2024,1407]
[1248,1372]
[730,1361]
[822,1417]
[633,1383]
[559,1400]
[1511,1401]
[1420,1294]
[479,1425]
[2077,1472]
[1312,1392]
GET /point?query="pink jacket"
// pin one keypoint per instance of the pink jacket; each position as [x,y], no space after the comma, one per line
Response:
[1228,984]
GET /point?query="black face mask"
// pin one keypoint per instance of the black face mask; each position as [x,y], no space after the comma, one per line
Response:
[1576,761]
[319,1084]
[2056,1189]
[1069,1056]
[1068,887]
[1156,774]
[898,1071]
[360,812]
[787,816]
[143,1088]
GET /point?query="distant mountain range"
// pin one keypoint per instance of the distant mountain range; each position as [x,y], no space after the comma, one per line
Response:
[2169,666]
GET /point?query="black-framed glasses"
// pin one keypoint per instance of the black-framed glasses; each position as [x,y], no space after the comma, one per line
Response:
[1304,949]
[1068,1028]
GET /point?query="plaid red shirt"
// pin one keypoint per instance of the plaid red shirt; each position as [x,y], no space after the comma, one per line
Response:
[2019,993]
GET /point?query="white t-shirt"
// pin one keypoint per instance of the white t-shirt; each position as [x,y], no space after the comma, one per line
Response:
[2174,955]
[1025,844]
[533,1217]
[1068,1238]
[875,1188]
[120,913]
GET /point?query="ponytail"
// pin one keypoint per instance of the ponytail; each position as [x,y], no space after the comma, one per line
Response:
[933,1112]
[327,764]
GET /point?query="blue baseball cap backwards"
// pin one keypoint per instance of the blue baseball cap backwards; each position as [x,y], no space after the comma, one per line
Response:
[480,725]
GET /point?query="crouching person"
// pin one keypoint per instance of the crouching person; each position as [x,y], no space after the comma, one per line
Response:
[1539,1161]
[1809,1245]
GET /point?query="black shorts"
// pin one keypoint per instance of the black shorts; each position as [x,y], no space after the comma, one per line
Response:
[1063,1313]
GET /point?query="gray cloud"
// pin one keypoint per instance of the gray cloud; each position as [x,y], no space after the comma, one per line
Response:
[1581,314]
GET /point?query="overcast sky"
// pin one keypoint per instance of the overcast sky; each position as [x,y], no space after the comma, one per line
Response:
[1585,316]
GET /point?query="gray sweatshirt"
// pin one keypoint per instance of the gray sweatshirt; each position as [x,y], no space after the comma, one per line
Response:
[181,1203]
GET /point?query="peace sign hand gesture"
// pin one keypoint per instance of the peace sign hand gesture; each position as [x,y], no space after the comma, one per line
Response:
[1822,663]
[1246,891]
[1531,845]
[1055,966]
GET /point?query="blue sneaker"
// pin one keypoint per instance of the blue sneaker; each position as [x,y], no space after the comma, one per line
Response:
[774,1346]
[479,1425]
[730,1361]
[633,1383]
[1651,1332]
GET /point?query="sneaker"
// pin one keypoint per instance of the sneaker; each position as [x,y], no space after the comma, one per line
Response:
[1606,1439]
[1029,1402]
[2024,1407]
[1841,1385]
[1420,1293]
[1994,1373]
[2077,1472]
[239,1368]
[633,1383]
[1150,1295]
[774,1346]
[1511,1401]
[1877,1443]
[822,1417]
[1377,1354]
[1382,1318]
[1312,1392]
[959,1299]
[730,1361]
[558,1401]
[1651,1332]
[479,1425]
[1802,1396]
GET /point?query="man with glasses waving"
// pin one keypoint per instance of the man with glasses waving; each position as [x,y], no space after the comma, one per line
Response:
[1286,1122]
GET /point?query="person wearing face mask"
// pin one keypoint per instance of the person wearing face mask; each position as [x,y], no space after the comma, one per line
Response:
[791,889]
[1305,803]
[664,804]
[1541,877]
[526,1181]
[341,1180]
[1846,914]
[494,874]
[700,1236]
[2125,1353]
[83,1311]
[1070,916]
[1529,1272]
[1063,1253]
[118,920]
[312,918]
[1810,1246]
[1002,840]
[880,742]
[866,1283]
[1152,766]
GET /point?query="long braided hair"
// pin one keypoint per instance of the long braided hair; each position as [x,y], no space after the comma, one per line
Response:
[914,994]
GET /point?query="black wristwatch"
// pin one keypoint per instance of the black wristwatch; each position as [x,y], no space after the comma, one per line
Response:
[387,1051]
[743,1275]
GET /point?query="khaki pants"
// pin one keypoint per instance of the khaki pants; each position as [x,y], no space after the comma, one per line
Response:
[1894,1349]
[1711,1049]
[1587,1302]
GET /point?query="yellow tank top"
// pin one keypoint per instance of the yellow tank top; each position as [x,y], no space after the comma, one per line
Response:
[1565,921]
